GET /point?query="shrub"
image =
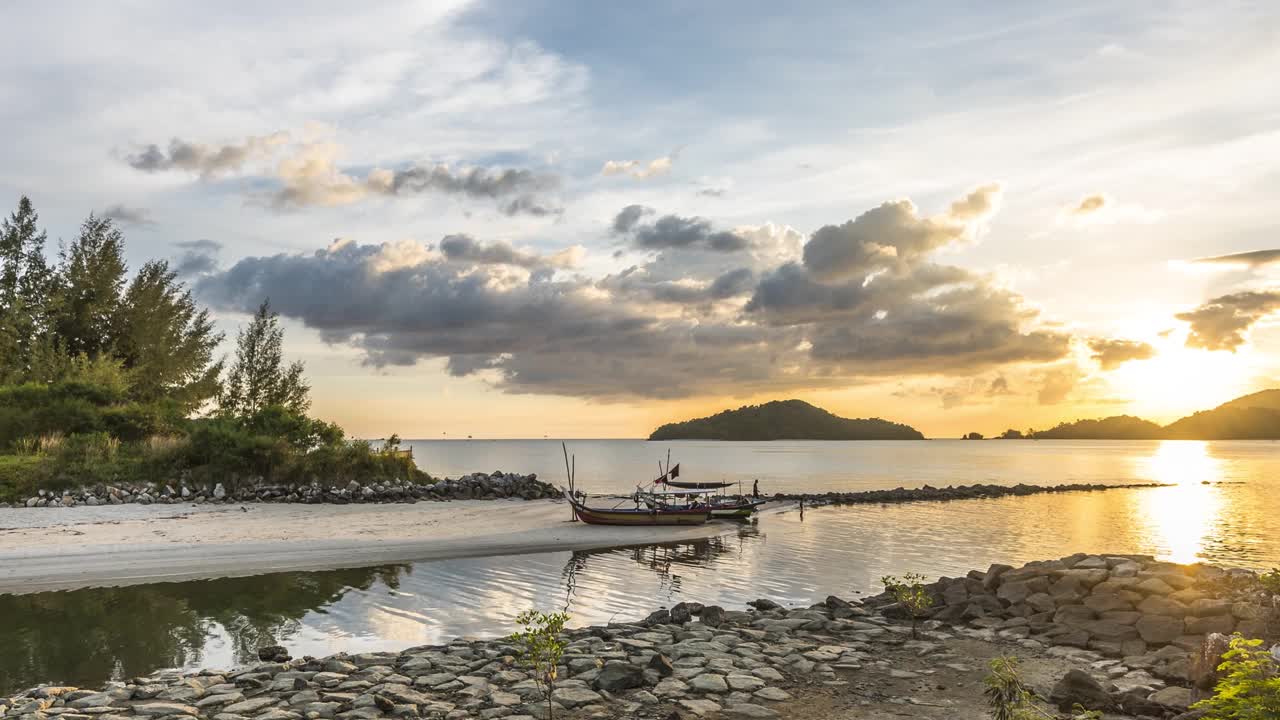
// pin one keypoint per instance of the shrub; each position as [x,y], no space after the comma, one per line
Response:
[20,476]
[1250,684]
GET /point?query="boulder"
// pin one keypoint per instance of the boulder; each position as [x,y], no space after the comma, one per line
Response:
[1224,624]
[617,676]
[1159,629]
[1204,667]
[1078,687]
[712,616]
[764,605]
[1178,698]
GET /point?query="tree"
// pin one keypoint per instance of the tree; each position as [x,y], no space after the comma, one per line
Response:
[1250,684]
[911,594]
[24,289]
[259,377]
[165,341]
[540,649]
[90,279]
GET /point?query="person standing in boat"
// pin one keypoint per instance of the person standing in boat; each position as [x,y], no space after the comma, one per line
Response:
[755,489]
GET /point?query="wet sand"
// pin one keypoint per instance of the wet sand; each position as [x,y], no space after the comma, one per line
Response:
[66,548]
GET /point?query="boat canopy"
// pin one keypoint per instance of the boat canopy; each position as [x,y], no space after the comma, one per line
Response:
[697,485]
[680,491]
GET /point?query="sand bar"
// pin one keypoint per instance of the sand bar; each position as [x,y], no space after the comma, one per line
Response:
[66,548]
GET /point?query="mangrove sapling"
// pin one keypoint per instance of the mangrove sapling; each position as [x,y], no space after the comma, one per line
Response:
[911,595]
[1009,699]
[539,648]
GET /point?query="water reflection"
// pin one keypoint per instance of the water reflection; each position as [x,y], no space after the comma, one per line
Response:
[1183,517]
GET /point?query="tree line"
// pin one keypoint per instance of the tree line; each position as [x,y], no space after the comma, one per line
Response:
[92,357]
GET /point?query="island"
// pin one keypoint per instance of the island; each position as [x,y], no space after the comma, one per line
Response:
[784,420]
[1251,417]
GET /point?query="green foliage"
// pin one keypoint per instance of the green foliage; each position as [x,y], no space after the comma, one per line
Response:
[784,420]
[259,377]
[90,278]
[1271,581]
[911,594]
[1120,427]
[1250,684]
[540,648]
[1009,699]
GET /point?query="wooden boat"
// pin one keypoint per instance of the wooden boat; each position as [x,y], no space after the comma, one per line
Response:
[655,515]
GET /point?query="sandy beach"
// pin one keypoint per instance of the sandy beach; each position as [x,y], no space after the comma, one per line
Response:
[66,548]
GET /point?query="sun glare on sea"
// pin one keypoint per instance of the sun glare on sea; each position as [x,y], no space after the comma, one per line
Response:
[1180,517]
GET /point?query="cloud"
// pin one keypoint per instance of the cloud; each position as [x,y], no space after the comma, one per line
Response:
[637,169]
[1056,385]
[1253,259]
[999,386]
[124,215]
[708,310]
[1223,322]
[894,235]
[309,175]
[465,249]
[1111,353]
[1089,205]
[711,192]
[199,257]
[205,160]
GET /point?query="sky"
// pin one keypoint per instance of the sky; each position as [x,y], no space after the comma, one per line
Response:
[576,219]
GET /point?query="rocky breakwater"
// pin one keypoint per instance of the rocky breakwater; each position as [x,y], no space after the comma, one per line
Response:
[476,486]
[951,492]
[1145,632]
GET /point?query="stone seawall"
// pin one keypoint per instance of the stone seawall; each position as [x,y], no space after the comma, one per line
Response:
[1108,632]
[951,492]
[476,486]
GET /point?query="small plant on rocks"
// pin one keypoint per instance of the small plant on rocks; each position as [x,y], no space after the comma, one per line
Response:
[1009,699]
[1250,684]
[910,592]
[1271,581]
[539,648]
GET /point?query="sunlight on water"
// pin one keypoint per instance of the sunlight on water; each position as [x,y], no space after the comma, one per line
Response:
[1183,516]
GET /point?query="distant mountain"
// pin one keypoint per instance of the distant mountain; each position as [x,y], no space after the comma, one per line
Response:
[1120,427]
[784,420]
[1252,417]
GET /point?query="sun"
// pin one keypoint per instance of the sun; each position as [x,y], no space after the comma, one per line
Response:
[1179,380]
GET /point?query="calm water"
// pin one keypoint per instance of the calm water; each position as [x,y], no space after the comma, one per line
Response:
[89,636]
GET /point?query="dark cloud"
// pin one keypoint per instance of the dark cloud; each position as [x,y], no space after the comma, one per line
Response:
[1090,204]
[999,386]
[701,315]
[1223,322]
[1111,353]
[140,217]
[204,160]
[520,191]
[199,257]
[893,236]
[465,249]
[674,231]
[1256,258]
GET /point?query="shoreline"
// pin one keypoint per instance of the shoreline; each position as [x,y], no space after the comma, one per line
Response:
[1065,620]
[71,548]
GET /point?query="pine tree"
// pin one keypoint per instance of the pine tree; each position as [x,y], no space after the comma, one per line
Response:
[25,285]
[166,342]
[90,279]
[258,377]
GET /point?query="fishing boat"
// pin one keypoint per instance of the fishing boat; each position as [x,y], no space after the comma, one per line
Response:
[721,506]
[656,514]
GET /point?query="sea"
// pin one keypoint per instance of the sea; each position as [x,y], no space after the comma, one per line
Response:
[1221,505]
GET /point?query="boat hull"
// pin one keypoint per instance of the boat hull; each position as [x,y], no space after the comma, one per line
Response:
[602,516]
[739,512]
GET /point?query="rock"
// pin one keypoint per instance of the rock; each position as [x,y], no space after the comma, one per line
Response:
[1178,698]
[749,710]
[746,683]
[1223,624]
[680,614]
[161,709]
[251,706]
[991,580]
[572,697]
[772,694]
[763,605]
[709,682]
[712,616]
[701,708]
[1206,607]
[1012,593]
[1204,667]
[219,492]
[661,664]
[658,617]
[1153,586]
[1156,605]
[1078,687]
[617,676]
[1159,629]
[274,653]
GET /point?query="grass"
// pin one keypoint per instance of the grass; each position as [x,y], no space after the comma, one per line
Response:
[20,475]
